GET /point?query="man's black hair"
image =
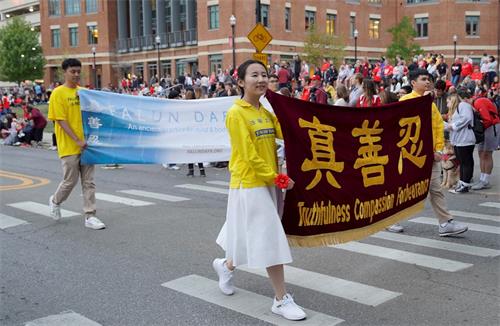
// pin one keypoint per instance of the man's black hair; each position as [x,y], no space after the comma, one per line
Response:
[440,85]
[414,74]
[70,62]
[407,88]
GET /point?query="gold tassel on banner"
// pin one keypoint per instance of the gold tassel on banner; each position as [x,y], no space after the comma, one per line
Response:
[328,239]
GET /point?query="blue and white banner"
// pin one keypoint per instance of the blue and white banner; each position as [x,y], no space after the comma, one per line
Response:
[129,129]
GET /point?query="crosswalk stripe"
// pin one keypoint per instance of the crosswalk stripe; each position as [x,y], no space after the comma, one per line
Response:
[446,265]
[153,195]
[443,245]
[244,302]
[40,209]
[204,188]
[472,226]
[353,291]
[9,221]
[476,215]
[63,319]
[121,200]
[490,204]
[219,183]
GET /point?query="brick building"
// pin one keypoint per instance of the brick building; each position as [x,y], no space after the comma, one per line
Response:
[129,36]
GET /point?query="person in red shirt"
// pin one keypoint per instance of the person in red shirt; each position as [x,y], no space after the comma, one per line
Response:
[39,123]
[376,73]
[466,68]
[317,94]
[369,97]
[325,65]
[388,71]
[284,77]
[491,122]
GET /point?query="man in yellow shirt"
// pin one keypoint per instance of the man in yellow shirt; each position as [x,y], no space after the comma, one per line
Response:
[64,110]
[421,83]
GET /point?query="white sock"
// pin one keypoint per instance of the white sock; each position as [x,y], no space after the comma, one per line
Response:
[486,177]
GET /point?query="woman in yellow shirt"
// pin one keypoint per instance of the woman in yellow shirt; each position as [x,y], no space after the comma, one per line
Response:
[253,234]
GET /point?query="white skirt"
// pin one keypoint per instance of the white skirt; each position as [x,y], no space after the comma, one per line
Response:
[253,234]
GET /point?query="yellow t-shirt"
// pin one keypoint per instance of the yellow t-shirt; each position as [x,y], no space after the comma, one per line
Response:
[65,105]
[437,123]
[252,132]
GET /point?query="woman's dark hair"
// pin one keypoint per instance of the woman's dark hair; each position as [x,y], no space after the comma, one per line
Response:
[464,93]
[342,92]
[242,71]
[70,62]
[370,90]
[408,89]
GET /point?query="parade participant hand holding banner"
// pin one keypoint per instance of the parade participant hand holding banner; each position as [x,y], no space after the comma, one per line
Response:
[355,171]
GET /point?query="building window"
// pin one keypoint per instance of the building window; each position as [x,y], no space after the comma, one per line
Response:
[288,19]
[215,63]
[352,25]
[422,26]
[310,19]
[55,38]
[71,7]
[472,25]
[418,1]
[90,6]
[92,34]
[152,67]
[264,15]
[139,70]
[54,8]
[374,28]
[330,23]
[213,17]
[166,68]
[73,36]
[375,1]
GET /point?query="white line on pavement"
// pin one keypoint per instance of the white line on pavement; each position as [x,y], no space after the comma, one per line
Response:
[472,226]
[436,244]
[9,221]
[244,302]
[121,200]
[476,215]
[63,319]
[353,291]
[490,204]
[40,209]
[204,188]
[446,265]
[219,183]
[153,195]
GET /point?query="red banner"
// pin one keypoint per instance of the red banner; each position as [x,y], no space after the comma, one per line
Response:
[356,170]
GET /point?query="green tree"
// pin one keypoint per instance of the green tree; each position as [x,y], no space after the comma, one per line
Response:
[319,45]
[21,56]
[402,41]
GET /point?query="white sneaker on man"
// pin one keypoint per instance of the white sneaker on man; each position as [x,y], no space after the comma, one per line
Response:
[452,228]
[395,228]
[225,276]
[94,223]
[481,185]
[287,308]
[55,210]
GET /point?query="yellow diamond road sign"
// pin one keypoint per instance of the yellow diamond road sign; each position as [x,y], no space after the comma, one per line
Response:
[259,37]
[260,57]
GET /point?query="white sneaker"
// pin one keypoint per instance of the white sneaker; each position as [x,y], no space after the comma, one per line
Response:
[481,185]
[94,223]
[225,276]
[452,228]
[55,210]
[395,228]
[287,308]
[173,167]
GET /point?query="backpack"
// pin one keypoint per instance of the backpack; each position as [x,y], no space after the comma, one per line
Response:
[477,126]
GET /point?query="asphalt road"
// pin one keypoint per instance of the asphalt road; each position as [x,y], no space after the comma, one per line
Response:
[152,265]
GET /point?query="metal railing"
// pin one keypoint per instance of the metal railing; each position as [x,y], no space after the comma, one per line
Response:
[147,43]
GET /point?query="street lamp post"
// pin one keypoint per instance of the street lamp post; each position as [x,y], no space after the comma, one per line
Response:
[356,33]
[158,42]
[94,68]
[455,46]
[232,21]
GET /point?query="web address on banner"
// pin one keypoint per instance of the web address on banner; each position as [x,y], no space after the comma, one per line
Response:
[204,150]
